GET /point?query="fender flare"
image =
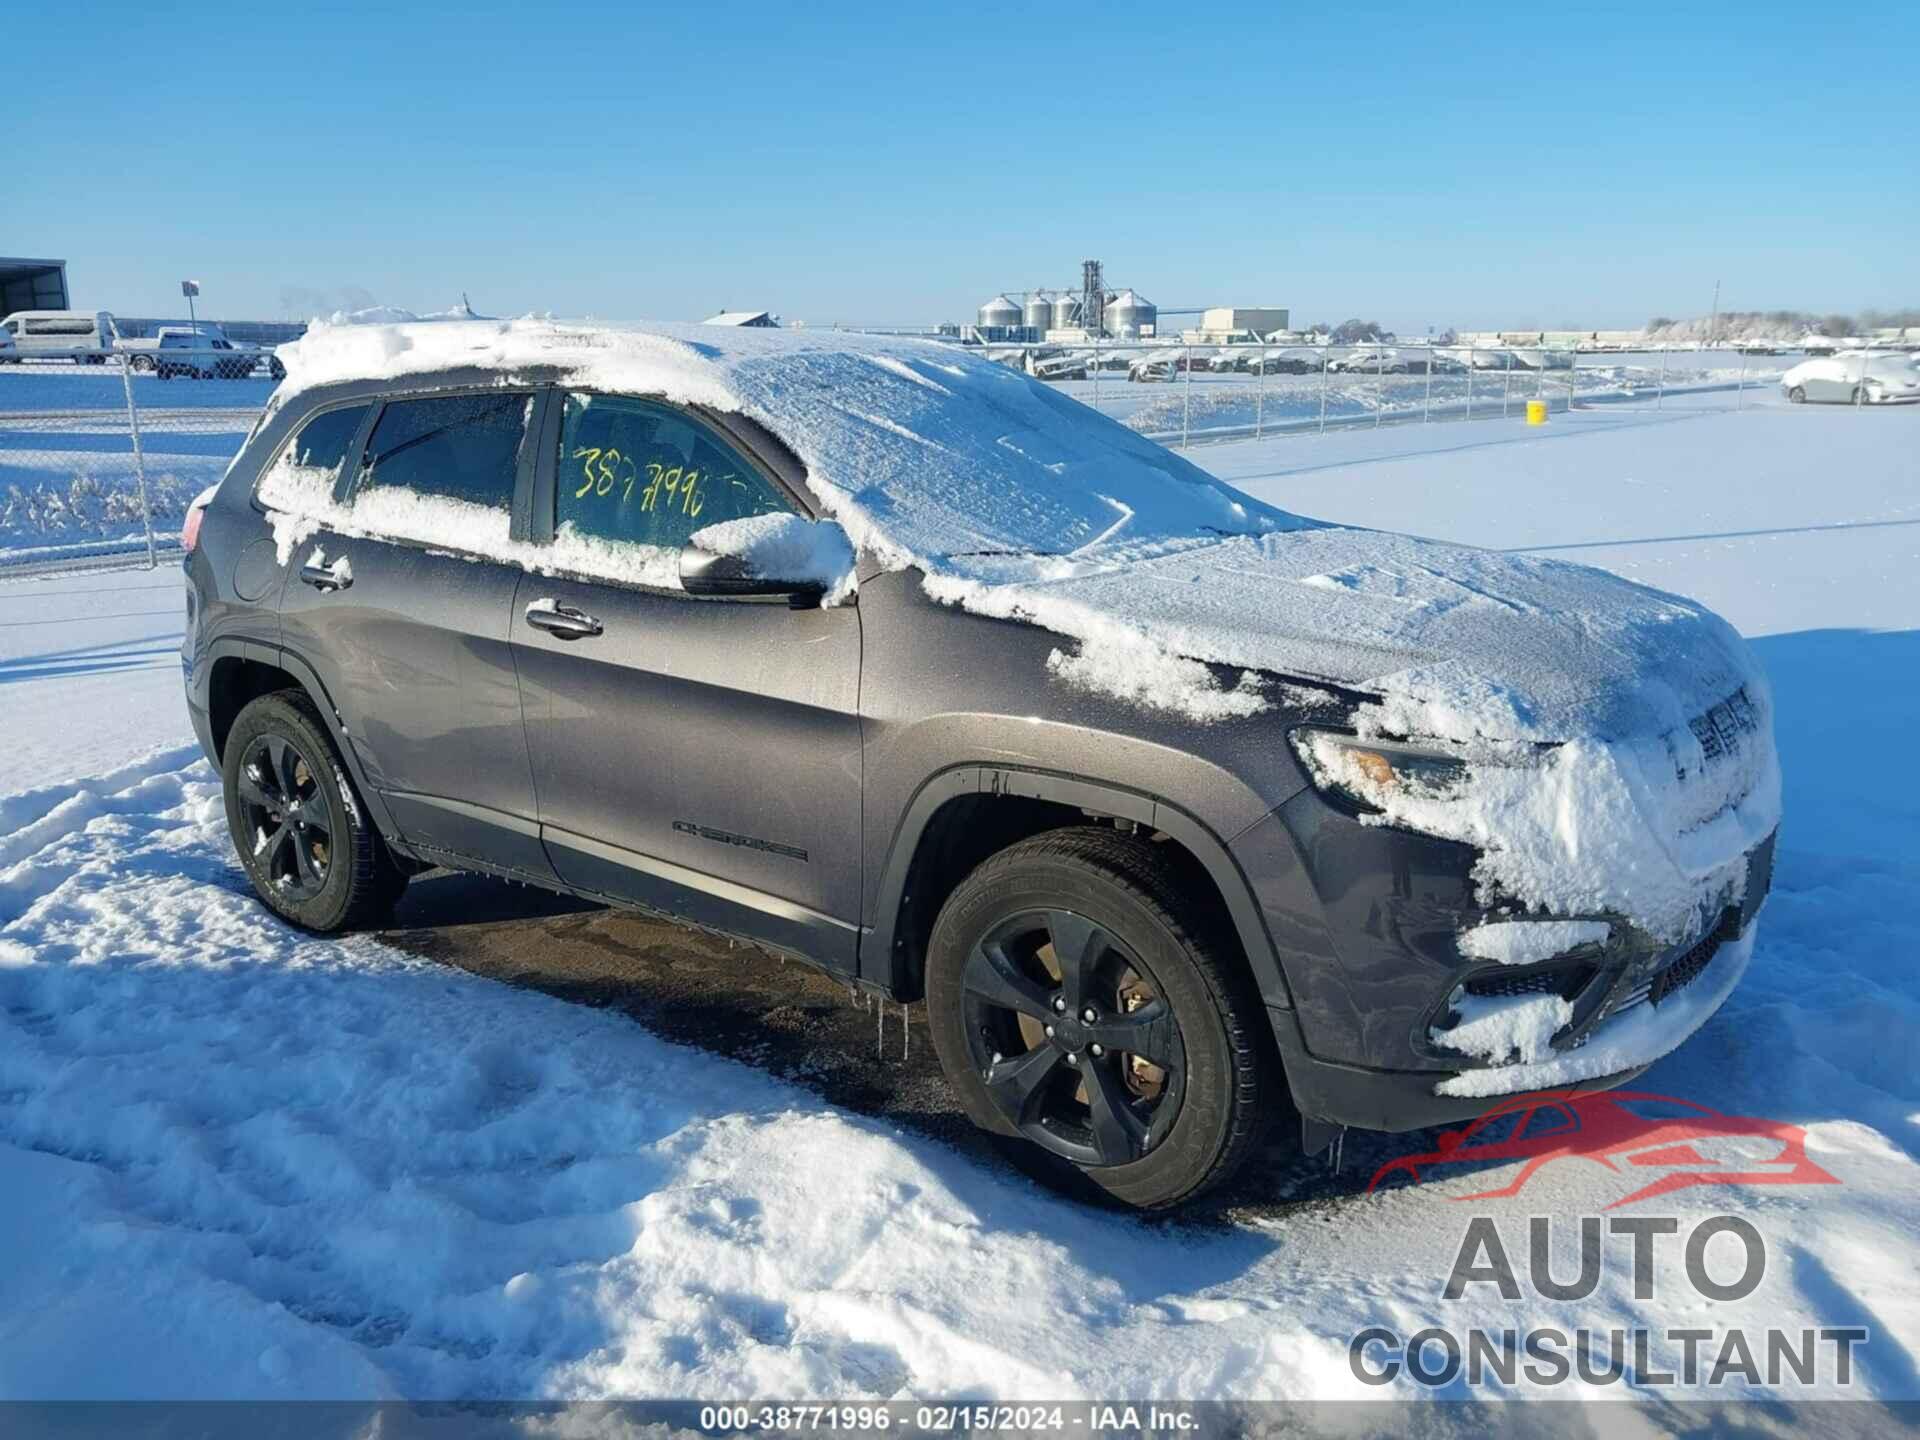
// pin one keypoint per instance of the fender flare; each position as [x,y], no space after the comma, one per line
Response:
[304,675]
[881,957]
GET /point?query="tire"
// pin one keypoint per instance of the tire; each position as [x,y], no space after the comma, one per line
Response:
[1856,397]
[323,874]
[142,364]
[1149,1134]
[1796,396]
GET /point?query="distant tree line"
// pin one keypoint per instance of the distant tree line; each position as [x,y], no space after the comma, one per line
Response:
[1783,324]
[1352,332]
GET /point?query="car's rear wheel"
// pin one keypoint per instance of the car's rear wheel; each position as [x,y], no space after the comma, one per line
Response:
[1089,1016]
[1797,396]
[301,832]
[1857,397]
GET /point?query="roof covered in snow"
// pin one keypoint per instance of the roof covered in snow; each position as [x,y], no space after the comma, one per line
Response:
[920,450]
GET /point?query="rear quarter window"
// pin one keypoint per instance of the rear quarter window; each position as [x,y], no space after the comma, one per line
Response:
[318,453]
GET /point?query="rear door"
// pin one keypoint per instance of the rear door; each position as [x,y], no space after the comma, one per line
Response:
[698,756]
[406,619]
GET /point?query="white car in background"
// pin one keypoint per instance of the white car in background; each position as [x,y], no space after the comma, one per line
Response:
[1854,379]
[1371,361]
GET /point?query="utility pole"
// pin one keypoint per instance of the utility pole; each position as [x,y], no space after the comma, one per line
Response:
[1713,321]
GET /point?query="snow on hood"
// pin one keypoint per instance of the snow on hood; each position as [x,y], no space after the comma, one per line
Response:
[1460,643]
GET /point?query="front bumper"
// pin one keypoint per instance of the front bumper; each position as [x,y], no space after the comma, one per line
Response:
[1367,921]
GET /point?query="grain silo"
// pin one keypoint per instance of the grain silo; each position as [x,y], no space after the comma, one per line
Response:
[1129,317]
[1039,311]
[999,313]
[1066,311]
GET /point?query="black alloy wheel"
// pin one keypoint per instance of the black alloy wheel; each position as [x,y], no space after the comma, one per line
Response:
[1076,1045]
[301,832]
[283,809]
[1094,1015]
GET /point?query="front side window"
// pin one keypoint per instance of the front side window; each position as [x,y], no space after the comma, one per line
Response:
[642,473]
[459,447]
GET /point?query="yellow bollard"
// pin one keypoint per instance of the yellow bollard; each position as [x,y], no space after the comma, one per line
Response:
[1536,412]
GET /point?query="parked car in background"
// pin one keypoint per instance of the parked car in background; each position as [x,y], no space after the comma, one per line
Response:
[1152,368]
[85,337]
[199,353]
[1853,380]
[1371,361]
[1297,360]
[1060,367]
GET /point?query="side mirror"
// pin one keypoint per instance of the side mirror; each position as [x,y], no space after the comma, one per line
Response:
[804,560]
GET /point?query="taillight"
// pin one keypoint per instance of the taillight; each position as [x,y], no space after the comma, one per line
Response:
[190,531]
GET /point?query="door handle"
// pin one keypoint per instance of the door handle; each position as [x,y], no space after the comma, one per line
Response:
[562,621]
[325,577]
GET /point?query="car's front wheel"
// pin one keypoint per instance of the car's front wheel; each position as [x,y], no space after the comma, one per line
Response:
[1087,1013]
[302,834]
[1797,396]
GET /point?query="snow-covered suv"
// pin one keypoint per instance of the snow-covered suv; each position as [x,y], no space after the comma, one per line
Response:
[1183,813]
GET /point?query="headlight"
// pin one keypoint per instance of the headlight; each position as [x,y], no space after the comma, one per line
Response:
[1370,773]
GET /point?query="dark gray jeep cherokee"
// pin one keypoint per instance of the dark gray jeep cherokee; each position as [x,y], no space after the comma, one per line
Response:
[1182,814]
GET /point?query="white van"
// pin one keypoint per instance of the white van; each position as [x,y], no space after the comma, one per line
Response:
[85,337]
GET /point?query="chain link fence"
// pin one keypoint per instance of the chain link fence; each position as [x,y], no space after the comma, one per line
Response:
[1183,395]
[99,462]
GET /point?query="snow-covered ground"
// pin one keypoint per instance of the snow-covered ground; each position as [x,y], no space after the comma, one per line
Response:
[236,1161]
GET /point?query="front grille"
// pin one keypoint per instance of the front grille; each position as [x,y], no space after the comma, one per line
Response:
[1722,729]
[1566,981]
[1683,971]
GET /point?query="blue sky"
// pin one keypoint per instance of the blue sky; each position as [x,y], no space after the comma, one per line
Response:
[898,163]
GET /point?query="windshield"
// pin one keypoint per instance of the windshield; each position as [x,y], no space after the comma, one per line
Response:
[944,454]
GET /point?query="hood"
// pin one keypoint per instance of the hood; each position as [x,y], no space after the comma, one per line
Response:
[1457,642]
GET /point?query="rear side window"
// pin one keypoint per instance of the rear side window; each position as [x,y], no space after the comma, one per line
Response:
[643,473]
[460,447]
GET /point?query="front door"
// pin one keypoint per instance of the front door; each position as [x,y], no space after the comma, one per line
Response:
[698,756]
[406,619]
